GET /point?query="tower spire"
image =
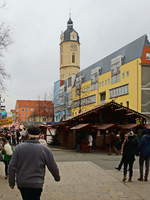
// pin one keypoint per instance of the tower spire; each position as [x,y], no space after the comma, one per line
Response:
[69,13]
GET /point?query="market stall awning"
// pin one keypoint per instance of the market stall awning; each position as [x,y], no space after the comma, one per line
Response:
[127,126]
[103,126]
[79,126]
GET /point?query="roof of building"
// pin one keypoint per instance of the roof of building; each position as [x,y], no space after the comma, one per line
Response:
[129,52]
[68,31]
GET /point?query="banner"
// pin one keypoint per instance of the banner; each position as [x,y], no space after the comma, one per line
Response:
[6,121]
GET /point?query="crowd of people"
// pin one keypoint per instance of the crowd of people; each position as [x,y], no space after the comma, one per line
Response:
[13,135]
[25,162]
[134,146]
[9,138]
[19,147]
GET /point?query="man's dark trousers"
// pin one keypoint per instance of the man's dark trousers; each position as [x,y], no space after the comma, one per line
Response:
[30,193]
[143,160]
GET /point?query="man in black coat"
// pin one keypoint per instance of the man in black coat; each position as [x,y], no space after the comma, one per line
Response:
[144,153]
[129,152]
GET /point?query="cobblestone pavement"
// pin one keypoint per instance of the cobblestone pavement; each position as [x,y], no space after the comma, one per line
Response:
[84,180]
[103,160]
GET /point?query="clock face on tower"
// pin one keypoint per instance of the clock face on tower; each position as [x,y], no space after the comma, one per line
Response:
[73,47]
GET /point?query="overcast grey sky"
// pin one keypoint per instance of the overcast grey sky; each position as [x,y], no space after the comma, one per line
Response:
[33,59]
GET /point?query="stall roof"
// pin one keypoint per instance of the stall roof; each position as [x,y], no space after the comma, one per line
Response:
[107,105]
[103,126]
[79,126]
[127,126]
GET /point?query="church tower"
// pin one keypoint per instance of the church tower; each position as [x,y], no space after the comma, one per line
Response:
[69,52]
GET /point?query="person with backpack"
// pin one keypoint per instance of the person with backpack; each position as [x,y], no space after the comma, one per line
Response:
[7,154]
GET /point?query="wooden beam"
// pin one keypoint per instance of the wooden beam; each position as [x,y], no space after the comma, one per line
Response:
[130,113]
[120,108]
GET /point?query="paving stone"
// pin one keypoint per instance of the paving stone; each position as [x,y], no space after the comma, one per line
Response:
[83,180]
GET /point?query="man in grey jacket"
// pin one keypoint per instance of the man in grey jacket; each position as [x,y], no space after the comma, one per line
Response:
[27,166]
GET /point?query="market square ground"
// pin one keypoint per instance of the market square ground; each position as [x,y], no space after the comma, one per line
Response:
[85,176]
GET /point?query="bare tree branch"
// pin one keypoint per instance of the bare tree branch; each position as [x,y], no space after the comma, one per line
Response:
[5,41]
[2,3]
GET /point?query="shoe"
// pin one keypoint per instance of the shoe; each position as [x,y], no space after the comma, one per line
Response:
[130,180]
[145,179]
[117,168]
[140,179]
[5,177]
[124,179]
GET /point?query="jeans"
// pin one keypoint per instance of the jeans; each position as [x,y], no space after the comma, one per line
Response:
[121,163]
[143,160]
[6,167]
[130,164]
[30,193]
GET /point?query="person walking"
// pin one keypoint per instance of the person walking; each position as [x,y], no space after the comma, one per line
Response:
[7,153]
[121,152]
[18,135]
[28,163]
[129,152]
[90,142]
[144,155]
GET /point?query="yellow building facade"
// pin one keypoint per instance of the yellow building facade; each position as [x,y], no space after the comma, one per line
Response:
[119,78]
[130,74]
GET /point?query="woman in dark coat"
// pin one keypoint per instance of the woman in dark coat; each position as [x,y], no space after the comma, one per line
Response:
[129,152]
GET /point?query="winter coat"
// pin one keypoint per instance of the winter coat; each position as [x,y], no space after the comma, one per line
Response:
[144,146]
[130,149]
[7,152]
[28,163]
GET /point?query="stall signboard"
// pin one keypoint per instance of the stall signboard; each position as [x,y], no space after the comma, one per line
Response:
[6,121]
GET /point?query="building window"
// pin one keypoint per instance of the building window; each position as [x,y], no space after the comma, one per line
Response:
[69,82]
[84,101]
[115,78]
[127,104]
[127,74]
[148,56]
[102,96]
[121,104]
[94,78]
[100,71]
[123,75]
[118,91]
[73,58]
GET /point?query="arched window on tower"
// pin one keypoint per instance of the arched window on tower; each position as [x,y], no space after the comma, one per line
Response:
[73,58]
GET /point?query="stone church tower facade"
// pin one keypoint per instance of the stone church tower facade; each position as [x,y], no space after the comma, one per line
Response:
[69,52]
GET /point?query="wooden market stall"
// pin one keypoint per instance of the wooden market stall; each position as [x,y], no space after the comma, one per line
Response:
[102,122]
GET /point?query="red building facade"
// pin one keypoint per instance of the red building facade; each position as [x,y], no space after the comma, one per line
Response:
[29,109]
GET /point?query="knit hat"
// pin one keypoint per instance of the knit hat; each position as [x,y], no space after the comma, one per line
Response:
[34,131]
